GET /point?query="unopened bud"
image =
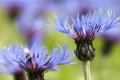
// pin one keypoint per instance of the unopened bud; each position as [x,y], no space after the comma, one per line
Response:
[85,50]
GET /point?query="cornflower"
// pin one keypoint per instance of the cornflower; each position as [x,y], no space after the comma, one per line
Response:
[84,29]
[34,61]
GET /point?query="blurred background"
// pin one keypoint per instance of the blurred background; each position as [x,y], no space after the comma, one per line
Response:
[27,21]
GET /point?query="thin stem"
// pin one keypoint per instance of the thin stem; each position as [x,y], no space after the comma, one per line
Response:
[86,70]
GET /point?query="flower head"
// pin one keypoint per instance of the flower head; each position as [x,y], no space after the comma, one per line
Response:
[85,28]
[35,61]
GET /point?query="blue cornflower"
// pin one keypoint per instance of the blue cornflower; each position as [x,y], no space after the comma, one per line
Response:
[85,28]
[35,61]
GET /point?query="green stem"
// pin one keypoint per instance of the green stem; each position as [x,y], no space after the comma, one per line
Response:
[86,70]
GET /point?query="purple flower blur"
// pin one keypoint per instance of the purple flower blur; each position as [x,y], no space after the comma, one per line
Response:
[31,22]
[14,8]
[33,29]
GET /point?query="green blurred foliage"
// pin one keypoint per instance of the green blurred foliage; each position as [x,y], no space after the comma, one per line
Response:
[102,67]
